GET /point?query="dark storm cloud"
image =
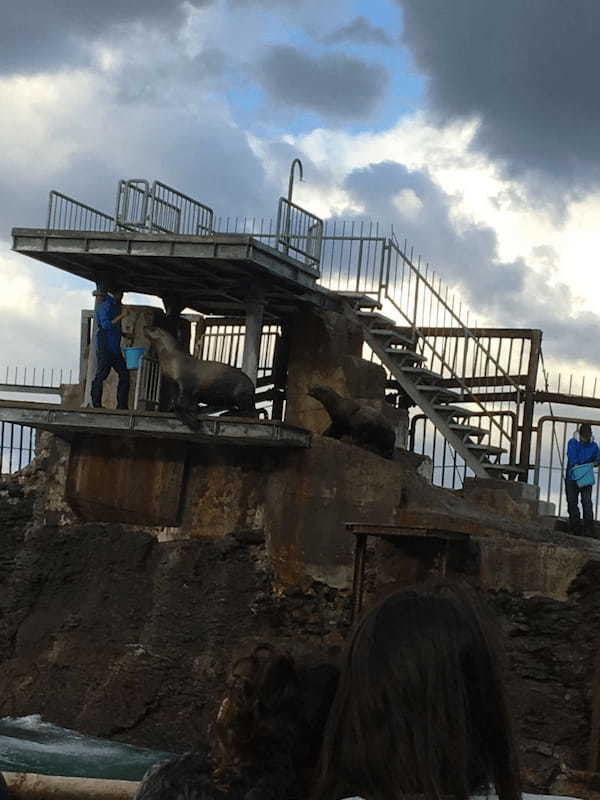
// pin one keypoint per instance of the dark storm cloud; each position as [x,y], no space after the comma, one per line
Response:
[527,70]
[335,86]
[43,34]
[359,31]
[512,294]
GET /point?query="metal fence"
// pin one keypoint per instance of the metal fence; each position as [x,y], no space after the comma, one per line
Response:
[17,447]
[67,214]
[159,208]
[449,468]
[139,206]
[223,340]
[353,258]
[17,442]
[553,434]
[300,232]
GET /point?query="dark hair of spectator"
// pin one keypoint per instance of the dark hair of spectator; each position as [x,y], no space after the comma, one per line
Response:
[187,777]
[585,431]
[420,708]
[270,723]
[265,740]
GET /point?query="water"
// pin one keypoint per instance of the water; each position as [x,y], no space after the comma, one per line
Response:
[28,744]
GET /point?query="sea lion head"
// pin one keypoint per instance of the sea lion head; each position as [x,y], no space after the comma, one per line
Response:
[320,392]
[156,334]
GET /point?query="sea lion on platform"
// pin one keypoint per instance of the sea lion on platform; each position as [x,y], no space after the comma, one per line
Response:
[361,424]
[219,386]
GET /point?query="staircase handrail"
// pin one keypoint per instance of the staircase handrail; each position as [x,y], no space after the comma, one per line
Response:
[468,333]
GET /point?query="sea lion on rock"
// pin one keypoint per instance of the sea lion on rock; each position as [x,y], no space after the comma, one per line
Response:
[220,386]
[363,425]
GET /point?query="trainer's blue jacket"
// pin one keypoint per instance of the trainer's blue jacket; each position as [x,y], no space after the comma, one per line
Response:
[581,453]
[109,334]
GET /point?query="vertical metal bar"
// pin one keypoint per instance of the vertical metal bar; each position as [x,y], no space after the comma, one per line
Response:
[360,550]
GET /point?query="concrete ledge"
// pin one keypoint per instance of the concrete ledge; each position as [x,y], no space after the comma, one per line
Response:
[224,430]
[515,489]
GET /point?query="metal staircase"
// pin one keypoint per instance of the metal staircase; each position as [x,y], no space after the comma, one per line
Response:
[398,355]
[405,351]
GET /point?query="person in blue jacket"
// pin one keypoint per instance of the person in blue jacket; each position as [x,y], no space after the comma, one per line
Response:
[581,450]
[108,348]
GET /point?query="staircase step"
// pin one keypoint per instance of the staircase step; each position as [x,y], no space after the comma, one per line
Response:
[468,430]
[488,449]
[406,355]
[360,300]
[512,469]
[421,373]
[452,411]
[440,391]
[392,336]
[379,319]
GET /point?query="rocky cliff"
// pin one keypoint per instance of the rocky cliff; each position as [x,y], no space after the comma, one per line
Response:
[108,629]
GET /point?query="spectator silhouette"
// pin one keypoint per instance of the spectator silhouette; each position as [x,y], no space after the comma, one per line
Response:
[265,740]
[420,708]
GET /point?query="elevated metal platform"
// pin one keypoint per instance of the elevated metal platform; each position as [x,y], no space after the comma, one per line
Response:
[223,430]
[212,274]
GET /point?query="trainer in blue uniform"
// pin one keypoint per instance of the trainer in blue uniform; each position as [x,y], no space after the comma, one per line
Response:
[108,348]
[582,450]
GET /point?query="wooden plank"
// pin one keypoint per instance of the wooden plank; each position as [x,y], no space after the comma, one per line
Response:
[417,519]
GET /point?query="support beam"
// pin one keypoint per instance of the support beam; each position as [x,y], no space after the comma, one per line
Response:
[252,337]
[561,398]
[92,363]
[529,403]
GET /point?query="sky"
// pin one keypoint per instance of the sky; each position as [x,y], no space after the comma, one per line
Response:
[471,127]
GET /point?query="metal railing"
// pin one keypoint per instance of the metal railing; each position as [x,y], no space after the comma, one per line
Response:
[147,384]
[17,447]
[553,434]
[420,302]
[68,214]
[131,205]
[449,468]
[353,257]
[159,208]
[17,442]
[223,340]
[300,232]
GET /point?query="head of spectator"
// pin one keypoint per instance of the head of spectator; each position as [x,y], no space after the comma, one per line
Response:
[420,708]
[585,432]
[265,740]
[270,722]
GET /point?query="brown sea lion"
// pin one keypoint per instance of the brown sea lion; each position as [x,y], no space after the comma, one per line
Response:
[361,424]
[219,386]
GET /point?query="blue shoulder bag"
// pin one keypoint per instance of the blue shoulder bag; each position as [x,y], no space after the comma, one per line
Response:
[583,475]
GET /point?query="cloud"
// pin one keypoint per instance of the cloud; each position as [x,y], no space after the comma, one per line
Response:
[359,31]
[528,72]
[40,321]
[38,34]
[335,86]
[83,145]
[508,293]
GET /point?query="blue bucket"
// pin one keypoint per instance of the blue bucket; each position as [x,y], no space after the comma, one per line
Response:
[133,355]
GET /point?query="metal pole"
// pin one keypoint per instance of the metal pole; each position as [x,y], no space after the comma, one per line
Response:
[359,574]
[92,354]
[252,336]
[529,403]
[295,162]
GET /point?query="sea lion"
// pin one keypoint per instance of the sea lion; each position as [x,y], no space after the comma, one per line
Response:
[219,386]
[363,425]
